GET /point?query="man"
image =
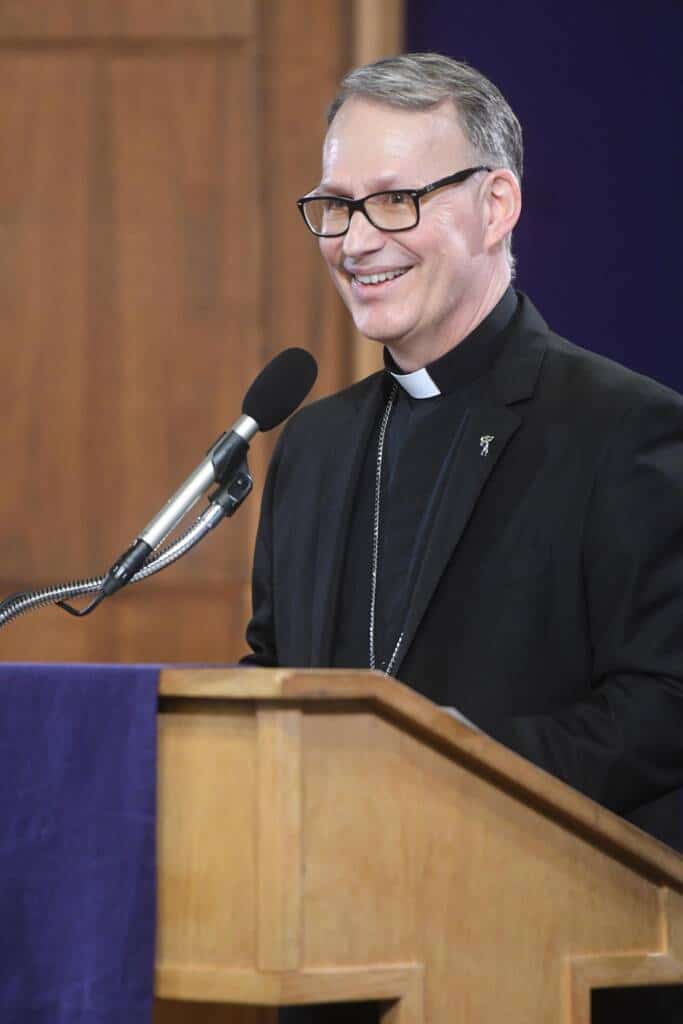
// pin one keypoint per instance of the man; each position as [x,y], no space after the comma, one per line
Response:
[496,519]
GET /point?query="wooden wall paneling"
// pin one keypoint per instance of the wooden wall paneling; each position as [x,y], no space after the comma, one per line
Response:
[188,281]
[67,20]
[378,31]
[43,328]
[308,46]
[305,48]
[133,292]
[152,261]
[201,624]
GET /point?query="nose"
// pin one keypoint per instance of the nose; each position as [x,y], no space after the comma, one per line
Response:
[362,236]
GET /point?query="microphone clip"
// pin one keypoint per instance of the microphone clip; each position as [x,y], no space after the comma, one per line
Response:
[230,495]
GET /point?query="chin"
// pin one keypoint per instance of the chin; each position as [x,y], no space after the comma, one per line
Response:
[381,329]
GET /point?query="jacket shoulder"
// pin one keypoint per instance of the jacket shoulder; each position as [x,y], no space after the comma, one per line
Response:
[571,373]
[332,412]
[580,371]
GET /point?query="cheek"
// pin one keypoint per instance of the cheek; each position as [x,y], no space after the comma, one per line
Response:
[439,244]
[330,250]
[455,236]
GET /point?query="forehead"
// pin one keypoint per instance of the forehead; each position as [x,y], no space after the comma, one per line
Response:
[371,143]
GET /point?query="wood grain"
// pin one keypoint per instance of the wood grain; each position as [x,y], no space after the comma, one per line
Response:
[331,983]
[126,280]
[152,260]
[201,624]
[65,20]
[422,845]
[167,1011]
[624,970]
[279,840]
[378,31]
[398,704]
[207,774]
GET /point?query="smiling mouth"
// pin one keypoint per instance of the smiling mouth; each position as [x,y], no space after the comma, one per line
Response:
[375,279]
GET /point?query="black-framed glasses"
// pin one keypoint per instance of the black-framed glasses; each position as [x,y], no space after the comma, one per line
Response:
[397,209]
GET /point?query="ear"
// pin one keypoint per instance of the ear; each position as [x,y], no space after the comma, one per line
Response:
[503,205]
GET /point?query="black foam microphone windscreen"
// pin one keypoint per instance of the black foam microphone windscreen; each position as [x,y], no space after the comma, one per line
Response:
[280,387]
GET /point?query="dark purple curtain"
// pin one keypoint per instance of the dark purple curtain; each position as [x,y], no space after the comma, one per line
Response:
[597,88]
[77,843]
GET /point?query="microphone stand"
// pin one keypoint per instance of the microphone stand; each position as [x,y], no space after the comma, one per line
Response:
[224,502]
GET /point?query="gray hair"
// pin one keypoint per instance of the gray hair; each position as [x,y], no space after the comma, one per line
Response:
[418,81]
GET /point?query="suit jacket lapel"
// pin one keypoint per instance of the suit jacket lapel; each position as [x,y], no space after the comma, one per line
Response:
[471,461]
[349,441]
[478,446]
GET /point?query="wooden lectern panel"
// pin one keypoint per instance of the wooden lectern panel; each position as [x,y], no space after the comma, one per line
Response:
[168,1012]
[333,836]
[207,757]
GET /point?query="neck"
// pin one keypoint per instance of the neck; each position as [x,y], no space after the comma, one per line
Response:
[415,353]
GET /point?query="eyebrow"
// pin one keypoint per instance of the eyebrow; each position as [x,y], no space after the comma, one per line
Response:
[382,183]
[323,189]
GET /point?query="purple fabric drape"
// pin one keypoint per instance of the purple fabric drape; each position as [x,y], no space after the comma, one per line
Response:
[77,843]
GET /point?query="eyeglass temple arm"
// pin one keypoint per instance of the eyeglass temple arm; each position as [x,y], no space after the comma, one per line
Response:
[450,179]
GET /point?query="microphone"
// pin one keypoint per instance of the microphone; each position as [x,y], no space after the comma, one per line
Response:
[279,388]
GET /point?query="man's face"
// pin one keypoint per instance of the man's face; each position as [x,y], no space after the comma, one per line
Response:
[442,263]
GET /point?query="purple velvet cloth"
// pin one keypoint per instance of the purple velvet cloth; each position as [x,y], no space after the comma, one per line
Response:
[77,843]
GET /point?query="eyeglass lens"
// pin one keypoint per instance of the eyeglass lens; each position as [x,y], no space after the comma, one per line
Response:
[390,211]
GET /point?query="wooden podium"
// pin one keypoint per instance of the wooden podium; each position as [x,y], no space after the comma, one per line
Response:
[330,836]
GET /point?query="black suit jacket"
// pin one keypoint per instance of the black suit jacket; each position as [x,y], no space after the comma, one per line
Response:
[549,603]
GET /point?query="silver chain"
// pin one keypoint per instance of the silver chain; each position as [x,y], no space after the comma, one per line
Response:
[375,537]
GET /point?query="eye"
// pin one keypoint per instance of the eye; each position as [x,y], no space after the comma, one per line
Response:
[391,200]
[334,203]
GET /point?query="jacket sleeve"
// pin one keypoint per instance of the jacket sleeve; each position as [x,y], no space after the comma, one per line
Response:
[623,744]
[261,628]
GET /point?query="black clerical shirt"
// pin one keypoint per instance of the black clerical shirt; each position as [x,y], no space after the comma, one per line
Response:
[419,442]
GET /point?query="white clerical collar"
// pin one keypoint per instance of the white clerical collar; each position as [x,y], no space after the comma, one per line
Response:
[418,384]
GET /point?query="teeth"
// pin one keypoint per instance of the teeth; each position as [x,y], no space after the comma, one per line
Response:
[379,278]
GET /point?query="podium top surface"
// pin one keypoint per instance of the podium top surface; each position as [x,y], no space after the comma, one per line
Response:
[436,727]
